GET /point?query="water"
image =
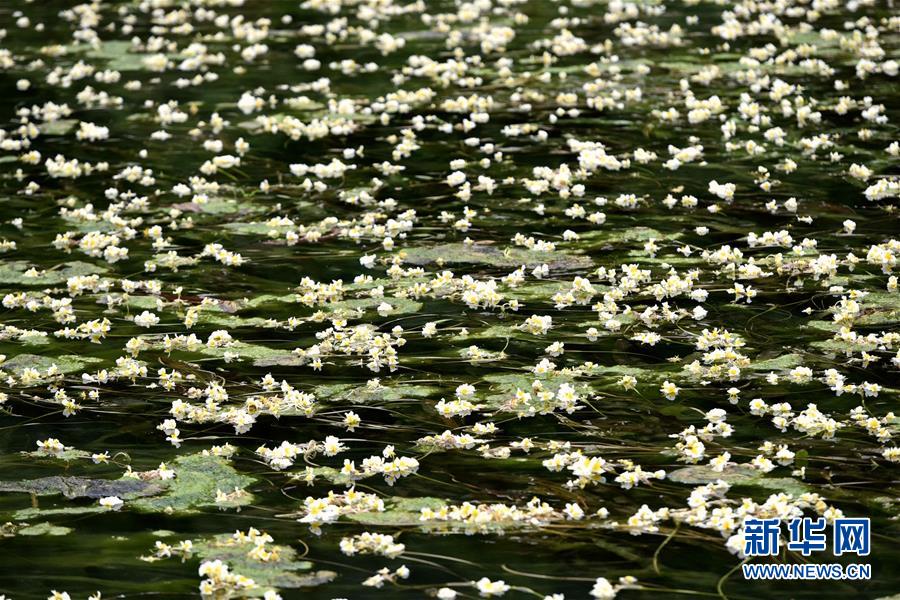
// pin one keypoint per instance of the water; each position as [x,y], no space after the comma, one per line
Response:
[269,311]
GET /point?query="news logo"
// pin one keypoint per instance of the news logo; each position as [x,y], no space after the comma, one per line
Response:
[762,537]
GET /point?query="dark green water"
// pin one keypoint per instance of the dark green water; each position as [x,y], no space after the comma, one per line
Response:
[788,324]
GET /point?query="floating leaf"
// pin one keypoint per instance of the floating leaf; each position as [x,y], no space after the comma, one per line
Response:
[737,475]
[780,363]
[44,529]
[285,571]
[58,127]
[43,513]
[14,272]
[398,512]
[81,487]
[119,56]
[198,478]
[67,363]
[69,454]
[365,394]
[492,256]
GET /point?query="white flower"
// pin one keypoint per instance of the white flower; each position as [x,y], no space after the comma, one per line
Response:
[456,178]
[248,103]
[146,319]
[489,589]
[465,391]
[111,502]
[603,589]
[669,390]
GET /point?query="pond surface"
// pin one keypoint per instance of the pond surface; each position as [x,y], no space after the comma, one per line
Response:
[444,299]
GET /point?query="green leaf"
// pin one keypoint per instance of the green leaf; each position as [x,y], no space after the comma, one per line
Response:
[197,479]
[780,363]
[14,272]
[399,512]
[81,487]
[737,475]
[283,572]
[44,529]
[67,363]
[58,127]
[492,256]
